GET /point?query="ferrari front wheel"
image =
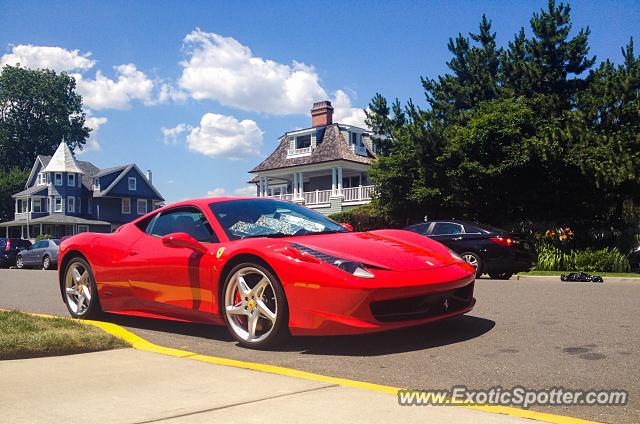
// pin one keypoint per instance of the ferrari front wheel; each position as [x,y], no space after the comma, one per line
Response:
[255,307]
[79,289]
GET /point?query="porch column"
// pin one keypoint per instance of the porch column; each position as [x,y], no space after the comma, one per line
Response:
[333,181]
[40,229]
[301,182]
[16,205]
[339,181]
[294,185]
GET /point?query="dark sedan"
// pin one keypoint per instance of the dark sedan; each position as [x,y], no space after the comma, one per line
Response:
[9,248]
[492,251]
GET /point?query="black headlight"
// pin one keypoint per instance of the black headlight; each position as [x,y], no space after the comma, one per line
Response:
[354,268]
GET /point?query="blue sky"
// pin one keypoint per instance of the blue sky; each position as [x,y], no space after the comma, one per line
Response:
[226,79]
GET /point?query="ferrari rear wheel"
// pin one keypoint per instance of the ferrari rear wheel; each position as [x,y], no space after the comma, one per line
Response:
[255,307]
[80,294]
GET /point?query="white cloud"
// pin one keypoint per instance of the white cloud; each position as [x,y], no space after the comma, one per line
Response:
[220,68]
[104,93]
[93,122]
[216,192]
[170,135]
[344,113]
[225,136]
[247,191]
[41,57]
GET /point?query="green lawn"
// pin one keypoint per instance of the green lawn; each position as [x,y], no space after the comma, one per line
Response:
[604,274]
[28,336]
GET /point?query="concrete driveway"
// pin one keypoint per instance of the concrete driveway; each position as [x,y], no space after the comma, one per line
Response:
[538,334]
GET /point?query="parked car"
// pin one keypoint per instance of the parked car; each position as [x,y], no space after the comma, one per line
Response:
[264,268]
[9,248]
[43,253]
[491,250]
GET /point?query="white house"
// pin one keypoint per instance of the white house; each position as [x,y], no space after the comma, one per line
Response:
[323,167]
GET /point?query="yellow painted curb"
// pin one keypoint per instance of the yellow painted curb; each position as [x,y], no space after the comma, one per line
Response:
[138,342]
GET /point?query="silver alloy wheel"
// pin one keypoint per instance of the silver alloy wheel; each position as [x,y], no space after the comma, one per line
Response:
[77,287]
[46,263]
[470,259]
[20,263]
[250,305]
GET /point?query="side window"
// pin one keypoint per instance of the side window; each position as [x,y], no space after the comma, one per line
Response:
[183,220]
[446,228]
[40,244]
[421,228]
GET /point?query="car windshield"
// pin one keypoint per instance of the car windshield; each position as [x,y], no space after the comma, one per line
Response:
[270,218]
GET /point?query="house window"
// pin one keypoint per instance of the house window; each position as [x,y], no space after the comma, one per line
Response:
[57,179]
[142,206]
[96,183]
[42,180]
[36,205]
[57,204]
[71,179]
[71,204]
[89,206]
[354,139]
[132,183]
[126,205]
[303,141]
[83,228]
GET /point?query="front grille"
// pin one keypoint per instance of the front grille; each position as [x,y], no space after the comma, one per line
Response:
[419,307]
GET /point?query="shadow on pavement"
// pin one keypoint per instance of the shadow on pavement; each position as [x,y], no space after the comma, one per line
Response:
[447,332]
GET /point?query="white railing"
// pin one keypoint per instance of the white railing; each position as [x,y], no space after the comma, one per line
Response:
[354,194]
[359,149]
[282,196]
[299,152]
[316,197]
[20,216]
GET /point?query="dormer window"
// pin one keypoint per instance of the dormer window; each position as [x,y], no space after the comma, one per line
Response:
[71,179]
[354,138]
[96,183]
[42,179]
[303,141]
[132,183]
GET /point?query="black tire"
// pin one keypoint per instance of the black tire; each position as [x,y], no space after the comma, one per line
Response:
[46,263]
[93,310]
[19,262]
[476,261]
[280,330]
[500,275]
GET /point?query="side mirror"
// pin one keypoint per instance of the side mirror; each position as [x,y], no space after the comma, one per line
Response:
[184,240]
[346,226]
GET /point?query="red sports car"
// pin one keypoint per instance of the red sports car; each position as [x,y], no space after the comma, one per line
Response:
[265,268]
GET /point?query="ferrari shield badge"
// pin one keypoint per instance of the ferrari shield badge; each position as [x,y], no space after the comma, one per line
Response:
[219,252]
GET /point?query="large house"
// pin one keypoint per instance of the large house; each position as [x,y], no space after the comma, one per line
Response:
[323,167]
[64,196]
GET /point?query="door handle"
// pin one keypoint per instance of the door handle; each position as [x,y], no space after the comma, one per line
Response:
[133,252]
[457,238]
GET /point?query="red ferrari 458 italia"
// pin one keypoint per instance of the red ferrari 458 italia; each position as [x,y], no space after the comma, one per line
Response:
[265,268]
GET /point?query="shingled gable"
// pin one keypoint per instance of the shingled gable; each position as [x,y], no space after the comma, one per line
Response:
[331,146]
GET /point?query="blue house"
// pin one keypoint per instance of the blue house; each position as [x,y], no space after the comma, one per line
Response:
[64,196]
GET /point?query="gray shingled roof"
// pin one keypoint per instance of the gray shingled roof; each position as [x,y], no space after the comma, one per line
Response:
[333,147]
[57,218]
[31,191]
[62,161]
[89,169]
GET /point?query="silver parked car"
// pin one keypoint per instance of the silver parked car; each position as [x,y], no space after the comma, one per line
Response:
[43,253]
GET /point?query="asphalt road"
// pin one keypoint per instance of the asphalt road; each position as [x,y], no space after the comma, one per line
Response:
[536,334]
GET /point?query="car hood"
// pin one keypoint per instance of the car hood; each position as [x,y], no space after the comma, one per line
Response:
[395,250]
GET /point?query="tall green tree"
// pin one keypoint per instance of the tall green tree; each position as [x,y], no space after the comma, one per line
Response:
[11,181]
[38,110]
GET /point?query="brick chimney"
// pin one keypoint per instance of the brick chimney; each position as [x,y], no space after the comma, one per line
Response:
[321,114]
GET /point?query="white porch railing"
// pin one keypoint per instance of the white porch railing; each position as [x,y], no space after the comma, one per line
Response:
[359,150]
[299,152]
[354,194]
[20,216]
[282,196]
[316,197]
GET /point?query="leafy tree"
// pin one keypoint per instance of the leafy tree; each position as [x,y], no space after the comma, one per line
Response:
[11,181]
[38,110]
[383,122]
